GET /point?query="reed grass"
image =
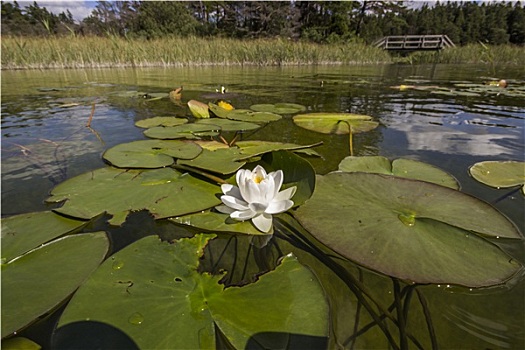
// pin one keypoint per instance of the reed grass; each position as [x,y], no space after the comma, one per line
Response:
[112,51]
[97,52]
[473,54]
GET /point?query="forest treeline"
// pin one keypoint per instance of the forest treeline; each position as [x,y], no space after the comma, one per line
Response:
[317,21]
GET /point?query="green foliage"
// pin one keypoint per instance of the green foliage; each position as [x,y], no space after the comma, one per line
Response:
[162,301]
[409,229]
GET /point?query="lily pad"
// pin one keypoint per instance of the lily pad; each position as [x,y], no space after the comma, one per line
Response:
[152,283]
[335,123]
[410,169]
[150,153]
[164,192]
[21,233]
[222,160]
[217,222]
[229,160]
[413,230]
[218,111]
[38,281]
[500,174]
[254,148]
[160,121]
[279,108]
[198,109]
[229,125]
[187,131]
[251,116]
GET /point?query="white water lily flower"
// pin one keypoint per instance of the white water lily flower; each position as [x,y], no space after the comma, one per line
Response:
[257,197]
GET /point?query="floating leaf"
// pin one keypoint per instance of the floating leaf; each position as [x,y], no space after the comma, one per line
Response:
[217,222]
[335,123]
[255,148]
[229,160]
[279,108]
[410,169]
[164,192]
[152,283]
[500,173]
[198,109]
[150,153]
[160,121]
[21,233]
[39,280]
[19,343]
[187,131]
[412,230]
[229,125]
[251,116]
[218,110]
[222,160]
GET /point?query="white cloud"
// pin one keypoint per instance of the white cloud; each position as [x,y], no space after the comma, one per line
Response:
[79,9]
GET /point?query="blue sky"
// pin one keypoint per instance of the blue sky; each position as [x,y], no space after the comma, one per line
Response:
[79,9]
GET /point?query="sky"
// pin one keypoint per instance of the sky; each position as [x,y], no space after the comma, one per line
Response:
[79,9]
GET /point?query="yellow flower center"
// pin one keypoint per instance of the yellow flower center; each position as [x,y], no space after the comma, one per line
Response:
[258,179]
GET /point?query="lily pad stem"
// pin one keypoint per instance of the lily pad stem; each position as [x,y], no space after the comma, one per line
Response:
[202,173]
[350,136]
[346,277]
[401,321]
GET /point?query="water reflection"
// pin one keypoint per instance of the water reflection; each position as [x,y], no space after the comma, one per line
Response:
[45,140]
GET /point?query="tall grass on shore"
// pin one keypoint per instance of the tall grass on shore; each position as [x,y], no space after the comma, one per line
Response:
[472,54]
[97,52]
[112,51]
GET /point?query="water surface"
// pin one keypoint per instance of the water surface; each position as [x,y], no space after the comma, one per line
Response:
[45,141]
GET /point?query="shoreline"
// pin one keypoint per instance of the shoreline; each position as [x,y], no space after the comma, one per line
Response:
[30,53]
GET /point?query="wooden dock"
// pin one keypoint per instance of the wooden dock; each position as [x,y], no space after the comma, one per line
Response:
[414,42]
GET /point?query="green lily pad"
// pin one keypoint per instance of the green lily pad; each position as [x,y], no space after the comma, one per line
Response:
[413,230]
[248,115]
[217,222]
[218,111]
[254,148]
[21,233]
[198,109]
[164,192]
[160,121]
[38,281]
[500,174]
[19,343]
[153,292]
[229,160]
[335,123]
[410,169]
[229,125]
[187,131]
[279,108]
[222,160]
[150,153]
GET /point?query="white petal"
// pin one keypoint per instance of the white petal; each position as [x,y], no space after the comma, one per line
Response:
[279,206]
[268,189]
[258,208]
[224,209]
[278,179]
[242,215]
[251,192]
[263,222]
[231,190]
[241,176]
[259,171]
[285,194]
[234,203]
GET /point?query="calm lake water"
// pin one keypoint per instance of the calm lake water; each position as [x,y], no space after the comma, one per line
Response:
[45,141]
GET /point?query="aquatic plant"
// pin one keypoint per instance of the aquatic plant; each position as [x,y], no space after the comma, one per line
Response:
[307,234]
